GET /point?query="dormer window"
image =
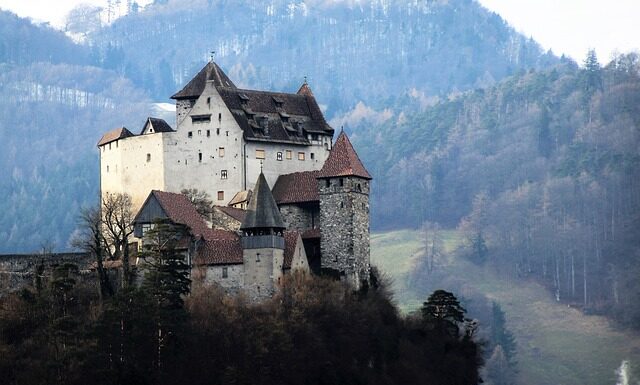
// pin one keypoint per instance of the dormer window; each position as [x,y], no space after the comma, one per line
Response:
[243,98]
[200,118]
[284,116]
[278,101]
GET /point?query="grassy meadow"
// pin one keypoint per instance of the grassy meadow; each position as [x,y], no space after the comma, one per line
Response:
[557,345]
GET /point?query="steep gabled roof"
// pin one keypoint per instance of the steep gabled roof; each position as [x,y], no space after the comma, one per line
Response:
[237,214]
[158,125]
[194,88]
[290,243]
[262,115]
[275,116]
[113,135]
[343,161]
[297,187]
[240,197]
[179,209]
[262,212]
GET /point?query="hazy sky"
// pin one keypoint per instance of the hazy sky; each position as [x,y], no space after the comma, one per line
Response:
[566,26]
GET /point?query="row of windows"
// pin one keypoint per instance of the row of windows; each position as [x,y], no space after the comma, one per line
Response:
[208,133]
[261,154]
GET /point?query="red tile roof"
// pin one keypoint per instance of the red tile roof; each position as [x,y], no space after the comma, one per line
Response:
[237,214]
[113,135]
[343,161]
[179,209]
[220,252]
[298,187]
[290,243]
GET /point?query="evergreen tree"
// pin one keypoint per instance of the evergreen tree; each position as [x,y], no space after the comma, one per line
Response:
[167,281]
[443,311]
[501,336]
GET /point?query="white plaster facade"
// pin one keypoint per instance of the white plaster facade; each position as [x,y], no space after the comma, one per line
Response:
[207,151]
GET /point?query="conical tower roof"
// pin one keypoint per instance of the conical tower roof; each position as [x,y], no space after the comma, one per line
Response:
[194,88]
[262,212]
[343,161]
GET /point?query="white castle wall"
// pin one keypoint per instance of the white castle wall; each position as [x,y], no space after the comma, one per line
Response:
[134,166]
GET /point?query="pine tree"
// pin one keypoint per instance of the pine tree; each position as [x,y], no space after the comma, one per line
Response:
[167,281]
[501,336]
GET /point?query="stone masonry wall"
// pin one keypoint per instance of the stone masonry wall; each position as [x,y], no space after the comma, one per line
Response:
[18,270]
[344,215]
[223,221]
[300,218]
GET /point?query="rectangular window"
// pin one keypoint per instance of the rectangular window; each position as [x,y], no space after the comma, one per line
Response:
[200,157]
[199,132]
[223,174]
[190,134]
[109,146]
[301,156]
[220,195]
[225,273]
[289,154]
[148,158]
[221,152]
[257,257]
[200,118]
[279,156]
[259,154]
[313,156]
[208,133]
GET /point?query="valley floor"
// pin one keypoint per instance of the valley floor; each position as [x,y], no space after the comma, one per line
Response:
[556,344]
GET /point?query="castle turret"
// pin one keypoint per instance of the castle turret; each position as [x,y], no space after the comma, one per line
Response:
[262,242]
[344,186]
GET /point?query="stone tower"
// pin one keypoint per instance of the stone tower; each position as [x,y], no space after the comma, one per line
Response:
[262,243]
[344,186]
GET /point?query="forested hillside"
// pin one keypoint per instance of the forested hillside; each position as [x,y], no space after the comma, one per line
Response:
[351,51]
[59,96]
[541,172]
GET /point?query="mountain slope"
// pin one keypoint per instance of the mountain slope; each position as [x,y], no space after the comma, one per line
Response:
[352,51]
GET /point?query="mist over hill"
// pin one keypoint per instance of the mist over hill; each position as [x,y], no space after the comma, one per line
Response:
[61,96]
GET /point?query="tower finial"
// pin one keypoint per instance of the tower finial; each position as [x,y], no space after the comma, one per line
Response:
[305,79]
[261,166]
[212,56]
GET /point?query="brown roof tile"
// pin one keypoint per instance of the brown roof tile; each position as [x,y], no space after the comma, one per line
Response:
[290,242]
[179,209]
[237,214]
[343,161]
[298,187]
[113,135]
[219,252]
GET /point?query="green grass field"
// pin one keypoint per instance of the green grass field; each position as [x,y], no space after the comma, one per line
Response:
[557,345]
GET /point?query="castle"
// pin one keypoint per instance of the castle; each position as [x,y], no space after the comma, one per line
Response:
[234,144]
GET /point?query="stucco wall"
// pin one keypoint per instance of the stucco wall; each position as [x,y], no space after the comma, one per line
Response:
[134,166]
[235,277]
[185,169]
[264,274]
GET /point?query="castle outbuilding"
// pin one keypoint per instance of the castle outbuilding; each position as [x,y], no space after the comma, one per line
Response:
[316,218]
